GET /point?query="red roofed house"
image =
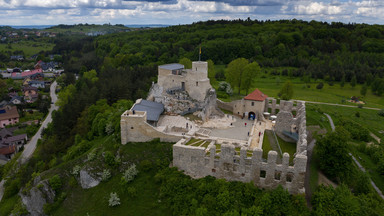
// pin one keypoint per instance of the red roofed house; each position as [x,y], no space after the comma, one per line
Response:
[250,105]
[8,116]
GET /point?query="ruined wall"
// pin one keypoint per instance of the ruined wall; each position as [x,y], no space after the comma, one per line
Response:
[225,105]
[283,105]
[230,165]
[134,128]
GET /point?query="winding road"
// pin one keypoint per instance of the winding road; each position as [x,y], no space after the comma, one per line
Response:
[31,146]
[343,105]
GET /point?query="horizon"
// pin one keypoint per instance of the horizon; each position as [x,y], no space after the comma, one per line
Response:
[181,12]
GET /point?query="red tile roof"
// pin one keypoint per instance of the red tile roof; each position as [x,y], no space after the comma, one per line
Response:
[256,95]
[7,150]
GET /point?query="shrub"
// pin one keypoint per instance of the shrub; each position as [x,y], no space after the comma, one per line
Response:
[320,85]
[91,155]
[381,112]
[114,199]
[109,159]
[76,170]
[106,175]
[145,165]
[129,174]
[55,183]
[357,114]
[131,191]
[12,187]
[360,106]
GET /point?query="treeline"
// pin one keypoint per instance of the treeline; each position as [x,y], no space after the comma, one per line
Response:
[318,49]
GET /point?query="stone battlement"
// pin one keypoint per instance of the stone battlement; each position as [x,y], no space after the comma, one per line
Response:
[234,162]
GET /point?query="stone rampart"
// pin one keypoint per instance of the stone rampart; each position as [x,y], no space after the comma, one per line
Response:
[239,164]
[225,105]
[134,128]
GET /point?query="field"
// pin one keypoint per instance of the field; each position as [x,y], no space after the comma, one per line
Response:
[29,47]
[271,85]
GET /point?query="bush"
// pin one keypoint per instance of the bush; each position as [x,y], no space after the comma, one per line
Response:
[76,170]
[145,165]
[55,183]
[381,113]
[131,191]
[357,114]
[320,85]
[360,106]
[106,175]
[109,159]
[129,174]
[114,200]
[12,187]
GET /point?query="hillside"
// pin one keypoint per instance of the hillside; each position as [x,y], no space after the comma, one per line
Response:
[81,147]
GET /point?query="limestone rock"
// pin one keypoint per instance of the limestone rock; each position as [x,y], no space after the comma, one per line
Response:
[88,181]
[37,197]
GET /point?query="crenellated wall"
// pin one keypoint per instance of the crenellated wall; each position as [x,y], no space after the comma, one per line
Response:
[235,165]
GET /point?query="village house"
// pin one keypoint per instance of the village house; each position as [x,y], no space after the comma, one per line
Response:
[30,94]
[16,100]
[37,83]
[8,116]
[10,144]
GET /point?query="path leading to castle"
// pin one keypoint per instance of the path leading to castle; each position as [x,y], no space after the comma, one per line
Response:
[31,146]
[332,104]
[356,161]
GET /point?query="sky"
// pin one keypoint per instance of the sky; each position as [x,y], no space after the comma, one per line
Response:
[174,12]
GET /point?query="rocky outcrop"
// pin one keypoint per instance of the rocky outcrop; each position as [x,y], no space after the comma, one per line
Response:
[88,180]
[37,197]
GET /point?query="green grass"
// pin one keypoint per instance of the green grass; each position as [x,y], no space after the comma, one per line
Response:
[206,144]
[329,94]
[218,146]
[370,167]
[29,47]
[94,201]
[249,153]
[316,118]
[314,176]
[191,141]
[368,118]
[7,205]
[288,147]
[34,116]
[266,145]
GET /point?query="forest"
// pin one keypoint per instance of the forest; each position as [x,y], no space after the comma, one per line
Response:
[116,69]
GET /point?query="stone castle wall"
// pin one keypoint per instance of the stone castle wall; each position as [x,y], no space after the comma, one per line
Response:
[233,166]
[134,128]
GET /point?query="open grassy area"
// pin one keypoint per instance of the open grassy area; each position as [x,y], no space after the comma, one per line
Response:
[29,47]
[288,147]
[271,85]
[314,117]
[191,141]
[266,145]
[368,118]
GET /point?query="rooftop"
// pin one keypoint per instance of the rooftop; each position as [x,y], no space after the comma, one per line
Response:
[256,95]
[153,109]
[8,113]
[174,66]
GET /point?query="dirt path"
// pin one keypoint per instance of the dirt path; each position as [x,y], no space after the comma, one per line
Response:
[330,121]
[375,137]
[314,102]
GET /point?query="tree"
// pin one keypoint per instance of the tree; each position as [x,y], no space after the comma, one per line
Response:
[249,74]
[186,62]
[211,70]
[286,92]
[332,151]
[363,90]
[342,82]
[234,72]
[353,81]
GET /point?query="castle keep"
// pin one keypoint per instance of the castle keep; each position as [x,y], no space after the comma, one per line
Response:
[202,150]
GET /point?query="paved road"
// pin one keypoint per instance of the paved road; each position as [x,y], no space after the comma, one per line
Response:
[332,104]
[31,146]
[330,121]
[372,183]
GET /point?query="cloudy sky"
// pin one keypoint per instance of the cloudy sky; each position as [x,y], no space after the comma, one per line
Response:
[51,12]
